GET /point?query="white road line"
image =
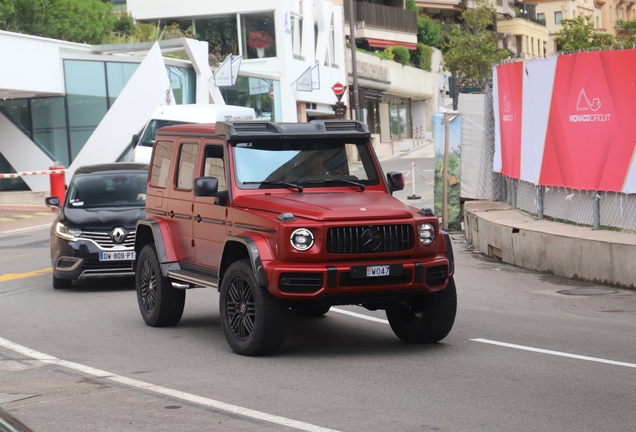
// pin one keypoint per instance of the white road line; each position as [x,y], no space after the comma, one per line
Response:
[357,315]
[556,353]
[211,403]
[25,229]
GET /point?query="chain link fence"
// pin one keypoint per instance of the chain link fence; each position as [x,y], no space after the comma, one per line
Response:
[599,210]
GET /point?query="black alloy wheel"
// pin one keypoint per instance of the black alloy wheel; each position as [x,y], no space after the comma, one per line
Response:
[160,304]
[253,321]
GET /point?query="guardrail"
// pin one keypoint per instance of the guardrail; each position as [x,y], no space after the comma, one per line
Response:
[58,187]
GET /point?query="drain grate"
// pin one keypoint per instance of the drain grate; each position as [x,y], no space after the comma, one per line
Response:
[588,291]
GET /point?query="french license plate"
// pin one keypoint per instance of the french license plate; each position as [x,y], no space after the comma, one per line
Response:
[378,270]
[116,256]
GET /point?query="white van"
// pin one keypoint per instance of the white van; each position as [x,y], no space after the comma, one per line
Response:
[169,115]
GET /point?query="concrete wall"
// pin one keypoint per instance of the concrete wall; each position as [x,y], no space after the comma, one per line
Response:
[565,250]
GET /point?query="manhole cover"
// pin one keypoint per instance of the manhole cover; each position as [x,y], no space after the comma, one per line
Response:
[588,291]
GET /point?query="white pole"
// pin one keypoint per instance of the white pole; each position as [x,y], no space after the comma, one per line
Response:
[413,183]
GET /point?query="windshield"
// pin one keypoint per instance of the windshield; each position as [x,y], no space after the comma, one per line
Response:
[148,138]
[300,163]
[108,190]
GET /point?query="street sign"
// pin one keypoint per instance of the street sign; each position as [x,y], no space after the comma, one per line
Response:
[338,89]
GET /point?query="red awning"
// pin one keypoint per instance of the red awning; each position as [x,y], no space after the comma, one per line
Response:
[381,43]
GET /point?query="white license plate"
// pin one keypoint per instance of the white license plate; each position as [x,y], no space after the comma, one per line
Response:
[116,256]
[380,270]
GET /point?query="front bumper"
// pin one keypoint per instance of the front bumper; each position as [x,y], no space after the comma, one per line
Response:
[347,283]
[79,259]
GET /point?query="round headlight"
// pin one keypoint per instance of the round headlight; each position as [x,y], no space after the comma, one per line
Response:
[427,234]
[302,239]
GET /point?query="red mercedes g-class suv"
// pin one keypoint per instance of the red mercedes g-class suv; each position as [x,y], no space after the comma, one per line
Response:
[282,218]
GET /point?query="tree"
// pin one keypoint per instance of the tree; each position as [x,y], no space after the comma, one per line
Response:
[428,31]
[472,48]
[578,34]
[87,21]
[626,33]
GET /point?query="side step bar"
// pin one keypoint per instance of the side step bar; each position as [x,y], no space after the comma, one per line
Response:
[194,278]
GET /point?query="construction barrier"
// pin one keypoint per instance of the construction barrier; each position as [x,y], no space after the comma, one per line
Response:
[57,182]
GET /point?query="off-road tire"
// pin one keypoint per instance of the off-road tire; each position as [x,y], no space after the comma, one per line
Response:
[253,321]
[428,319]
[160,304]
[62,283]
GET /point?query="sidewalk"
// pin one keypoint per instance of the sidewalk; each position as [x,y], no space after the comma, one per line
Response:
[12,221]
[605,257]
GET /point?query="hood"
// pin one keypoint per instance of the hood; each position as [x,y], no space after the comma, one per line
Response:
[329,205]
[87,219]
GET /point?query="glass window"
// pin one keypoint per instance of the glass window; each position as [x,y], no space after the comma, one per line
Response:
[17,111]
[331,49]
[296,32]
[400,119]
[213,165]
[86,95]
[183,83]
[49,127]
[220,33]
[116,189]
[14,184]
[541,16]
[187,165]
[559,15]
[257,93]
[161,164]
[304,162]
[118,76]
[258,35]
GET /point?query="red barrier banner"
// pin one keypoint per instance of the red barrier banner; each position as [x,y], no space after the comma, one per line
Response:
[589,142]
[510,93]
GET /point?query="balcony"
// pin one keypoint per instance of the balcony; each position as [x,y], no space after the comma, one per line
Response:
[379,22]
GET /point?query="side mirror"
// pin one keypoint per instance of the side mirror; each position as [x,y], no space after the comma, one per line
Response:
[135,140]
[52,201]
[205,186]
[395,179]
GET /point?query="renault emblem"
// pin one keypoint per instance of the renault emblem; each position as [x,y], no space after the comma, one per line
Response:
[118,235]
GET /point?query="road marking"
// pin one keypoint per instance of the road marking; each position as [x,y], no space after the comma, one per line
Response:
[357,315]
[556,353]
[211,403]
[23,216]
[13,276]
[25,229]
[18,256]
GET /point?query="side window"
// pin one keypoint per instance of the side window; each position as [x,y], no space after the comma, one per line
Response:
[213,165]
[164,153]
[187,165]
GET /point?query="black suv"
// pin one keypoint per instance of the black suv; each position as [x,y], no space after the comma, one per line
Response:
[94,233]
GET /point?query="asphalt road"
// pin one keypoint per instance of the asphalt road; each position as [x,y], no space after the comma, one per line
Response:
[523,355]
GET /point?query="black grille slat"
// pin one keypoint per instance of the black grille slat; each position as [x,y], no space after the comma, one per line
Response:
[348,240]
[300,282]
[436,275]
[104,240]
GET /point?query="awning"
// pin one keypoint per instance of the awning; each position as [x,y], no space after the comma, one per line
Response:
[382,43]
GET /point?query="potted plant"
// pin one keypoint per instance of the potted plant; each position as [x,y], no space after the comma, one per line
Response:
[259,40]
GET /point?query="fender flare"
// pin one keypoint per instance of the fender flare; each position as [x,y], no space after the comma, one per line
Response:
[161,239]
[449,252]
[253,254]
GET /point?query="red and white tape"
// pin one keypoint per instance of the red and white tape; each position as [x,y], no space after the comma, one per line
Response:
[28,173]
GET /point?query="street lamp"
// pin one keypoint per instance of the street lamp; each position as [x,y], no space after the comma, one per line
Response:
[354,66]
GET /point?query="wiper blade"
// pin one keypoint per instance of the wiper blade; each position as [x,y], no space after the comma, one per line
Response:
[336,180]
[277,183]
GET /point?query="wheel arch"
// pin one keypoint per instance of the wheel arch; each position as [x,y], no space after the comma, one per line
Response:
[449,253]
[150,231]
[242,247]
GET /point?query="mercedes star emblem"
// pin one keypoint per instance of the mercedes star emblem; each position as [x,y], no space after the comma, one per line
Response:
[371,239]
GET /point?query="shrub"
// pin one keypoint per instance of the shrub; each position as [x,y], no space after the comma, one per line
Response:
[423,57]
[401,55]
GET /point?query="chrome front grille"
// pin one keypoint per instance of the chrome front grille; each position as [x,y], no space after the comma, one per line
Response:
[370,239]
[104,240]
